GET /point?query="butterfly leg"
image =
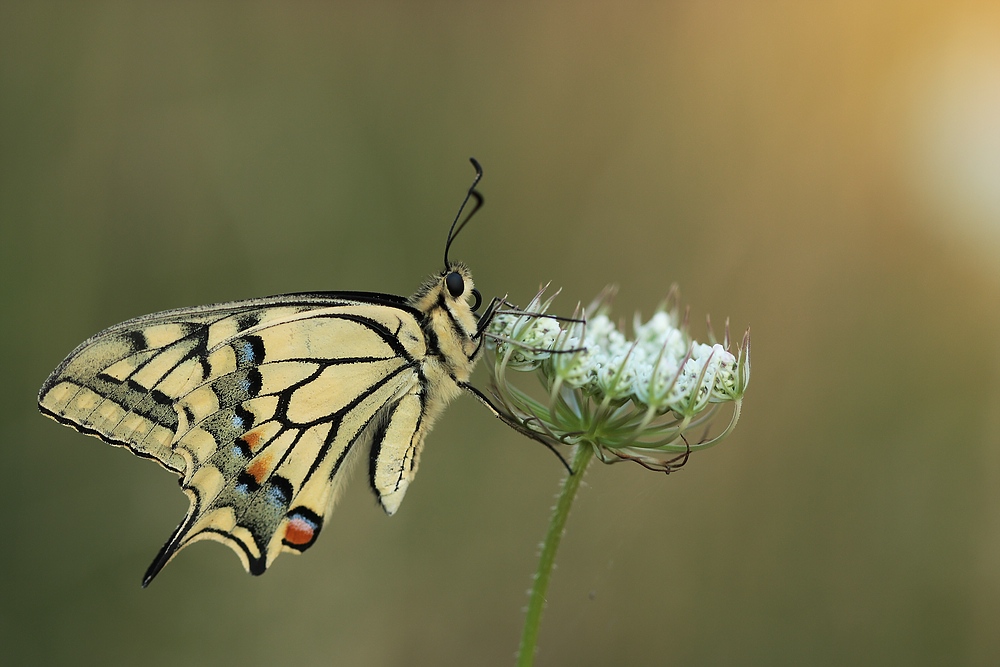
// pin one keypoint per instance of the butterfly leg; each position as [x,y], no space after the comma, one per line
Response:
[513,424]
[487,317]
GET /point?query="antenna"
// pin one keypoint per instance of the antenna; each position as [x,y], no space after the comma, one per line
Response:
[473,194]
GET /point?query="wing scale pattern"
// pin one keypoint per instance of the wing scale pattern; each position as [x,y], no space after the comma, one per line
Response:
[257,405]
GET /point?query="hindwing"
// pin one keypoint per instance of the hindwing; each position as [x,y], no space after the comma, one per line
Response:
[257,405]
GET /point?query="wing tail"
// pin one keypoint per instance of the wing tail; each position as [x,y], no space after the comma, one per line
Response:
[167,551]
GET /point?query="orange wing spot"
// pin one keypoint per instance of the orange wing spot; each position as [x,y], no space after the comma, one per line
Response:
[259,468]
[253,439]
[299,532]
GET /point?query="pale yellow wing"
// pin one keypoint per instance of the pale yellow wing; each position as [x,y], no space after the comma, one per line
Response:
[258,405]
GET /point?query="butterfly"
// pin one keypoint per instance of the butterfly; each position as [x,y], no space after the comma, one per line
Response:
[261,405]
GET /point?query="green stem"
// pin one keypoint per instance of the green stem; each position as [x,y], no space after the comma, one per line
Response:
[557,524]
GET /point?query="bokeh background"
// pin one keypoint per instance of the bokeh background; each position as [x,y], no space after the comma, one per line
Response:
[828,173]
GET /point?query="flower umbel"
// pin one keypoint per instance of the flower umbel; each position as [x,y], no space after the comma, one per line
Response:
[605,395]
[636,400]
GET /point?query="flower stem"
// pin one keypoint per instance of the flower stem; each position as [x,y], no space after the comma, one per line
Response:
[557,524]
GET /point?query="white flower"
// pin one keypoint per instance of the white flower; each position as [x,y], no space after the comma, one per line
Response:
[630,399]
[524,342]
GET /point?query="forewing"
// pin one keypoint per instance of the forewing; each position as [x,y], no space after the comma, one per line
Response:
[257,404]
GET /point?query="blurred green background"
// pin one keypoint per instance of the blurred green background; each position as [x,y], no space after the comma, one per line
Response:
[828,173]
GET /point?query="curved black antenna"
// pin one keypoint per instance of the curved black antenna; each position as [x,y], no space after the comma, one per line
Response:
[474,194]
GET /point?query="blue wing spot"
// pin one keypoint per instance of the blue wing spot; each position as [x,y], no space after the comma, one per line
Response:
[246,353]
[249,351]
[246,483]
[242,419]
[279,491]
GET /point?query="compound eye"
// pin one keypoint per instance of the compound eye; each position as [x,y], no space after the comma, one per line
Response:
[477,299]
[456,286]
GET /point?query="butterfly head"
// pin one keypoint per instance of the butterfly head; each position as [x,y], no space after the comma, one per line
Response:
[458,282]
[451,289]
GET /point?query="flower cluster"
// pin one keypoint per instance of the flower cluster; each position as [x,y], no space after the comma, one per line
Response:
[630,399]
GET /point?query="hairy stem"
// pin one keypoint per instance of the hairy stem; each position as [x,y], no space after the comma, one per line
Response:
[557,525]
